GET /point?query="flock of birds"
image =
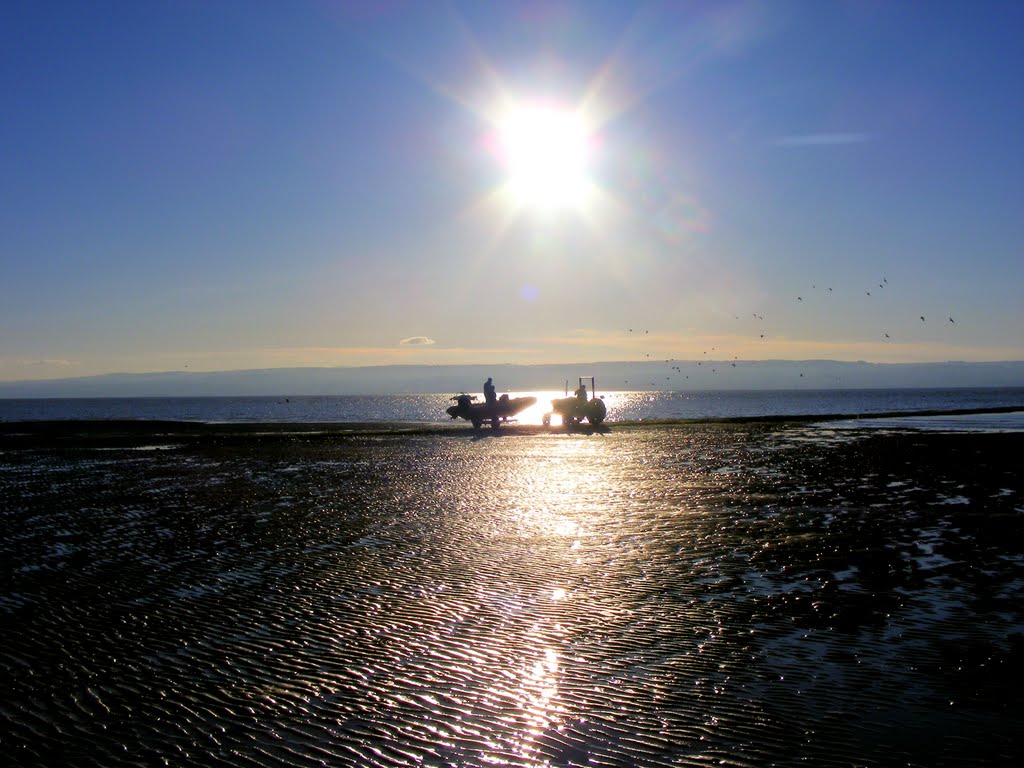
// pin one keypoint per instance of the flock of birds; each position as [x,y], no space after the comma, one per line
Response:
[714,364]
[882,286]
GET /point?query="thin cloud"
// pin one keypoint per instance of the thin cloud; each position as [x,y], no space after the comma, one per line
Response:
[49,362]
[822,139]
[417,341]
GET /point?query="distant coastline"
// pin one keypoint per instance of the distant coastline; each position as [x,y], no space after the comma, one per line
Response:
[671,375]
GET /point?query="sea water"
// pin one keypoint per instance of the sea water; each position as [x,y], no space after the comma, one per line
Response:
[430,408]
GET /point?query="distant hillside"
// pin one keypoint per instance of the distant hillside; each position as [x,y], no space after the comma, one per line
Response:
[395,379]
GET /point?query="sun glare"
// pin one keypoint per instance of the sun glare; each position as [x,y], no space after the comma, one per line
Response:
[546,152]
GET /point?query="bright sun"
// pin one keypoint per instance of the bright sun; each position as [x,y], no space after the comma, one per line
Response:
[546,151]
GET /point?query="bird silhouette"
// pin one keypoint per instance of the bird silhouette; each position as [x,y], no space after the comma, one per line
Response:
[951,320]
[922,318]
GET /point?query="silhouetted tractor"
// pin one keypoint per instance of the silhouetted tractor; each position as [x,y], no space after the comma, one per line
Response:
[574,409]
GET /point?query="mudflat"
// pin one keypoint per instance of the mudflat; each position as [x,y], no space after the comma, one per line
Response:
[743,593]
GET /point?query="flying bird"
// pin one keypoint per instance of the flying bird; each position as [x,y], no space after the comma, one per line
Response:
[922,318]
[951,320]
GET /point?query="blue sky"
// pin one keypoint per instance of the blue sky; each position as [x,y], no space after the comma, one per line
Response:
[226,185]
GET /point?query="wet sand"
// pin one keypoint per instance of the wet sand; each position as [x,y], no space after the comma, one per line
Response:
[741,594]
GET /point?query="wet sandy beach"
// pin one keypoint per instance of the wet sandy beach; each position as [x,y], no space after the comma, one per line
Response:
[670,595]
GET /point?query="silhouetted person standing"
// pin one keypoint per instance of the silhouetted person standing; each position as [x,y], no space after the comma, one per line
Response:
[581,393]
[489,394]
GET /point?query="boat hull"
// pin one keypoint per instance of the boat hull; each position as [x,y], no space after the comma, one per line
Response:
[501,410]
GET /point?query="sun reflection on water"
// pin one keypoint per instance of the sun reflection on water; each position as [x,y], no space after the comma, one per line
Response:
[552,512]
[534,415]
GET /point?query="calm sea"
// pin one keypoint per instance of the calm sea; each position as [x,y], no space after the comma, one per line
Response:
[430,408]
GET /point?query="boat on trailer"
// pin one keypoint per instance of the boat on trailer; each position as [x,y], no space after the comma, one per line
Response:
[500,411]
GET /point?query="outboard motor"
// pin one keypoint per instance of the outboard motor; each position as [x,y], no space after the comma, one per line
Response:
[461,405]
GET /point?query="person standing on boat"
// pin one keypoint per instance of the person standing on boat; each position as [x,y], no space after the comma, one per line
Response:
[490,397]
[581,393]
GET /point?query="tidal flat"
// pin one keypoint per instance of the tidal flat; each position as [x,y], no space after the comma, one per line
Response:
[730,594]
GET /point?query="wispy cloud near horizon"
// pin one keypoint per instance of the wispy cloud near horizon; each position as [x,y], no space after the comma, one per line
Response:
[58,363]
[417,341]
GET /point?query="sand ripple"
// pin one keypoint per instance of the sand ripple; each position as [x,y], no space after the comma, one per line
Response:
[740,596]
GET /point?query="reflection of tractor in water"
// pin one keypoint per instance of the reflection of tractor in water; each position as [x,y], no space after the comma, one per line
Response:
[574,409]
